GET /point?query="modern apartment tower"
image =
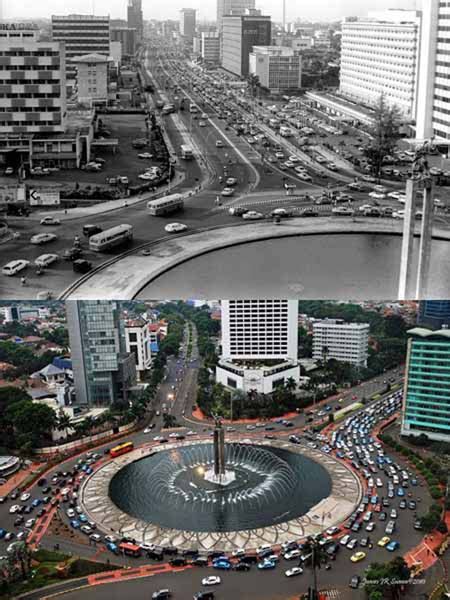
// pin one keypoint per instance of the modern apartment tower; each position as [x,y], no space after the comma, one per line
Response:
[239,34]
[33,99]
[433,97]
[426,397]
[259,344]
[346,342]
[135,18]
[379,56]
[82,34]
[103,370]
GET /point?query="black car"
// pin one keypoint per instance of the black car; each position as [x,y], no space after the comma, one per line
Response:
[81,266]
[242,566]
[192,552]
[42,481]
[355,581]
[89,230]
[40,512]
[204,596]
[161,595]
[14,495]
[46,490]
[170,550]
[178,561]
[200,561]
[215,554]
[28,509]
[18,521]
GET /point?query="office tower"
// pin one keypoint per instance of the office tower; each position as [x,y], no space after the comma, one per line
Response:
[226,7]
[278,68]
[259,344]
[210,47]
[239,34]
[103,370]
[433,90]
[135,18]
[346,342]
[92,78]
[127,37]
[434,313]
[82,34]
[33,84]
[138,343]
[379,56]
[188,23]
[426,396]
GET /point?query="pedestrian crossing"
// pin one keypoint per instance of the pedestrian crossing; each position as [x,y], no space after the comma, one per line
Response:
[295,203]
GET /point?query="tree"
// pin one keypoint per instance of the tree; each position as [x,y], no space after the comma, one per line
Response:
[385,135]
[31,421]
[290,385]
[64,422]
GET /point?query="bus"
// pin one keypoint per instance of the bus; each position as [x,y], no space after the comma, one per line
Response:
[130,549]
[186,152]
[166,205]
[121,234]
[121,449]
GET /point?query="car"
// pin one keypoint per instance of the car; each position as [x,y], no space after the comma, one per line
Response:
[392,546]
[162,594]
[412,504]
[370,526]
[237,211]
[358,556]
[112,548]
[293,572]
[219,144]
[252,215]
[75,524]
[224,565]
[384,541]
[393,514]
[145,155]
[266,564]
[211,580]
[50,221]
[343,211]
[231,181]
[354,582]
[227,192]
[43,238]
[175,227]
[204,596]
[14,267]
[9,536]
[9,171]
[86,529]
[36,502]
[25,496]
[30,523]
[352,544]
[45,260]
[81,265]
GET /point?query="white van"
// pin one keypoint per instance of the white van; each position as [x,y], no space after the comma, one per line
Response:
[15,266]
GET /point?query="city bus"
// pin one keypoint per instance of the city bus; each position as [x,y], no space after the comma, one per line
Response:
[186,152]
[121,449]
[130,549]
[121,234]
[166,205]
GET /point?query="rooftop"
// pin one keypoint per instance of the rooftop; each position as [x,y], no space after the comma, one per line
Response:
[429,333]
[91,58]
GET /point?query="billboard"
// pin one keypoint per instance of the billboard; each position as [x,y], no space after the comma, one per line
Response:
[12,194]
[44,196]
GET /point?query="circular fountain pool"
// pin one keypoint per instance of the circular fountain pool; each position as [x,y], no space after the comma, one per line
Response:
[271,485]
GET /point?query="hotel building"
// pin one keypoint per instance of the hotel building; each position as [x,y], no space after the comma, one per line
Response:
[346,342]
[426,397]
[379,56]
[259,344]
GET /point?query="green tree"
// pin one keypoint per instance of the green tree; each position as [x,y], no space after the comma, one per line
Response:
[32,422]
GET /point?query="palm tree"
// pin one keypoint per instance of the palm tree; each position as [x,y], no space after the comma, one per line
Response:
[291,385]
[64,422]
[317,558]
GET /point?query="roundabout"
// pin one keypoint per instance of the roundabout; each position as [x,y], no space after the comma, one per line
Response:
[279,492]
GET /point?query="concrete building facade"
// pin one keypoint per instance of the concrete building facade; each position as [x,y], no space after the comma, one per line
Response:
[138,343]
[210,47]
[92,78]
[135,18]
[127,36]
[278,68]
[379,56]
[188,17]
[239,34]
[32,80]
[226,7]
[426,397]
[346,342]
[433,97]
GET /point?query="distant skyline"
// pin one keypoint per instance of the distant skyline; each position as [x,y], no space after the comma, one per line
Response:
[318,10]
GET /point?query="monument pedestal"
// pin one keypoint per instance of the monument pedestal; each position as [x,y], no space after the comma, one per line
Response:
[224,478]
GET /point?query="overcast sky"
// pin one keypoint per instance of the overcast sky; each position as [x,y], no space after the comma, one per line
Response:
[319,9]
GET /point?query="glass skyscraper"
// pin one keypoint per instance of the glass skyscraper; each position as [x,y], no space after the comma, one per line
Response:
[103,371]
[426,403]
[434,313]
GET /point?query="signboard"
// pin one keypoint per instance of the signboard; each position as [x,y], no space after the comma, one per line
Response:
[44,197]
[18,26]
[12,194]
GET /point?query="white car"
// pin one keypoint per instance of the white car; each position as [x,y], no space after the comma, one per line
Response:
[15,266]
[175,227]
[145,155]
[45,260]
[365,207]
[377,195]
[398,214]
[25,496]
[147,430]
[211,580]
[70,513]
[228,191]
[292,554]
[294,571]
[43,238]
[252,215]
[29,524]
[343,211]
[50,221]
[231,181]
[13,509]
[219,144]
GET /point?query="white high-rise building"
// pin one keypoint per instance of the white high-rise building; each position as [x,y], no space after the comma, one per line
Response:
[138,342]
[379,56]
[433,91]
[346,342]
[259,344]
[278,68]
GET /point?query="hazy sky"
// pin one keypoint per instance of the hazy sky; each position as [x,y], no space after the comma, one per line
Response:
[319,9]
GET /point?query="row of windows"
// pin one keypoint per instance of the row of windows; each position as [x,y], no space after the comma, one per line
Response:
[20,52]
[27,68]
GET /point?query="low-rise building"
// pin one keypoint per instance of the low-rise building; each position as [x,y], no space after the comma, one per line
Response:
[92,78]
[278,68]
[210,47]
[346,342]
[426,397]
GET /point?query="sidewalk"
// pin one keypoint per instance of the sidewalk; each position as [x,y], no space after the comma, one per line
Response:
[15,481]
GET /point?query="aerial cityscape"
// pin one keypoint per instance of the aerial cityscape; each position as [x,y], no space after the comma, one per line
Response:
[225,300]
[148,157]
[182,448]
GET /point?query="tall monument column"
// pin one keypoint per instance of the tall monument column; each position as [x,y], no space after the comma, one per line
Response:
[407,240]
[219,474]
[426,235]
